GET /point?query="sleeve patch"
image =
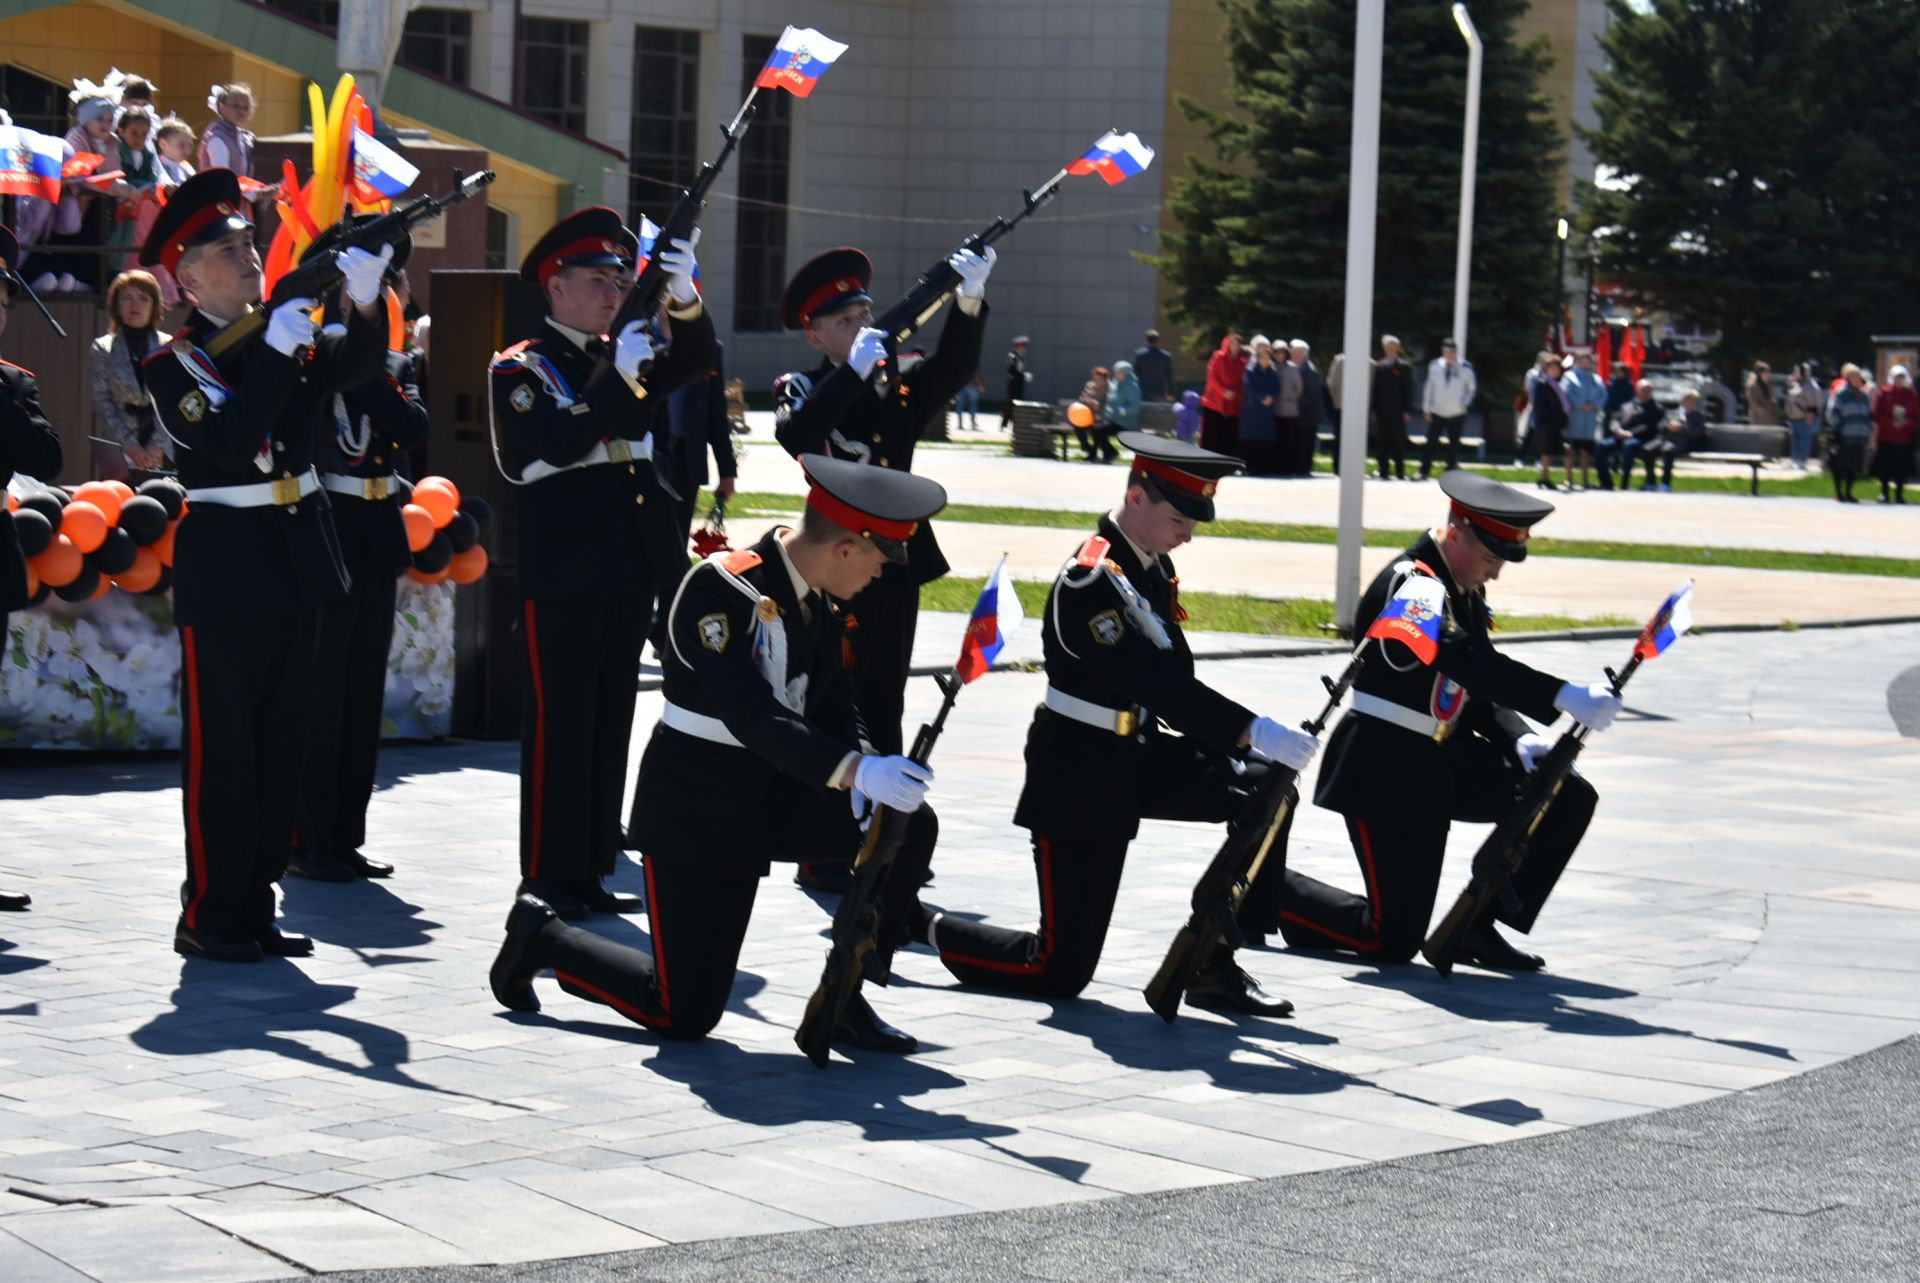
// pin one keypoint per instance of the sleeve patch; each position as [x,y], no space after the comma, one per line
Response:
[715,632]
[1107,628]
[521,398]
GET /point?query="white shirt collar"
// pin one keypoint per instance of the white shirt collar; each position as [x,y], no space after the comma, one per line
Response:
[579,338]
[801,590]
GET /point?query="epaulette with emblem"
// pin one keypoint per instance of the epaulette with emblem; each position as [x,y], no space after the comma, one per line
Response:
[1093,551]
[741,561]
[509,357]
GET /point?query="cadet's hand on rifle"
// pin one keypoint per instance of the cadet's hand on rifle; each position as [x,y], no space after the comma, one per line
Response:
[1278,742]
[290,328]
[364,272]
[869,345]
[898,783]
[633,350]
[973,269]
[1530,749]
[678,262]
[1593,705]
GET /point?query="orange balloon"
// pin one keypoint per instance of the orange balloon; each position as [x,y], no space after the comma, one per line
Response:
[419,578]
[468,567]
[33,581]
[100,589]
[85,524]
[1080,414]
[438,502]
[442,483]
[60,564]
[103,496]
[143,574]
[419,523]
[122,489]
[163,546]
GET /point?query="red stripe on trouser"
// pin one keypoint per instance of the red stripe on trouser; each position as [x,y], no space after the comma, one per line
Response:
[598,994]
[1373,879]
[196,838]
[659,943]
[539,746]
[1040,962]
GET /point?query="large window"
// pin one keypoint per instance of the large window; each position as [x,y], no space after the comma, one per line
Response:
[439,41]
[760,243]
[666,120]
[33,101]
[553,71]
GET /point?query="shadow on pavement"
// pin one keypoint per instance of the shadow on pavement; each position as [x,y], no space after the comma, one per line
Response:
[364,916]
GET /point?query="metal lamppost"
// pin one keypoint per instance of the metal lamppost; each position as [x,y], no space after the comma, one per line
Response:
[1469,161]
[1560,282]
[1363,191]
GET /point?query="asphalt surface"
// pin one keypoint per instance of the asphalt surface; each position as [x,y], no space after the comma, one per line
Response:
[1811,1178]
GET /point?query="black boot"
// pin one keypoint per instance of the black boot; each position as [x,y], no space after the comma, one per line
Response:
[860,1026]
[833,879]
[364,868]
[600,900]
[13,901]
[1224,986]
[275,943]
[521,956]
[318,867]
[215,946]
[1486,947]
[564,903]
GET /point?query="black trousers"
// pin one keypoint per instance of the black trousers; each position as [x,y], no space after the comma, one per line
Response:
[1662,452]
[1450,426]
[244,706]
[349,697]
[1400,852]
[698,920]
[1079,877]
[583,667]
[1390,445]
[882,641]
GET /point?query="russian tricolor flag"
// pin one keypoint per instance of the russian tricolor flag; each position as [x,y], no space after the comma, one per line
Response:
[1669,624]
[648,236]
[800,57]
[995,617]
[30,163]
[379,172]
[1116,158]
[1412,616]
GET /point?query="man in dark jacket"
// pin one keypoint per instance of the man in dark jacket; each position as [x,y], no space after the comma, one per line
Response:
[1627,432]
[1153,367]
[1019,378]
[1391,408]
[1313,410]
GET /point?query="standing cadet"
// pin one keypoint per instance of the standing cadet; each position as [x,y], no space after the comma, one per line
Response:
[361,463]
[573,420]
[840,408]
[1422,746]
[29,444]
[757,756]
[1098,760]
[256,557]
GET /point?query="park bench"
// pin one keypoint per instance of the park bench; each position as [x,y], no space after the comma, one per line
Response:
[1752,446]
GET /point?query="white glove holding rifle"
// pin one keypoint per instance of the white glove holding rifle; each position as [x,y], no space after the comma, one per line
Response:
[365,273]
[290,327]
[1278,742]
[633,350]
[869,346]
[895,782]
[1593,705]
[678,262]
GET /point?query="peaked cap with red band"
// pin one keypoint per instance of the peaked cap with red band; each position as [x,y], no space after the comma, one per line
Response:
[824,285]
[1180,472]
[1501,516]
[591,237]
[201,210]
[882,504]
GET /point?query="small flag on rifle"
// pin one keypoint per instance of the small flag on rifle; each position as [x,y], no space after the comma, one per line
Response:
[379,172]
[800,57]
[1116,158]
[1412,616]
[995,618]
[1669,624]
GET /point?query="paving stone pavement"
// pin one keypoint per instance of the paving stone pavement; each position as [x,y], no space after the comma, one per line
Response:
[370,1107]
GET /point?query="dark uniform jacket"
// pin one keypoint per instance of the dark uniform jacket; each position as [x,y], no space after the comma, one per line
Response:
[832,411]
[1016,376]
[606,528]
[231,562]
[1102,645]
[724,808]
[29,444]
[374,426]
[699,419]
[1392,391]
[1375,768]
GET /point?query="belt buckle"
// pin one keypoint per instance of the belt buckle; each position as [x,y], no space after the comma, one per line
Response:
[620,450]
[1442,731]
[1126,722]
[286,490]
[374,488]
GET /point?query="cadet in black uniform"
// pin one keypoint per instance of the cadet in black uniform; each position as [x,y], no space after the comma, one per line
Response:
[256,557]
[1098,759]
[29,444]
[361,465]
[596,534]
[760,755]
[1422,746]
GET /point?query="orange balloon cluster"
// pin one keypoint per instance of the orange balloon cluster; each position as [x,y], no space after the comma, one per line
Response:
[100,535]
[443,533]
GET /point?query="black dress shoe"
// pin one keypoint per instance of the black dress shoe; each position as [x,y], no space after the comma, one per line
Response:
[364,868]
[1225,987]
[833,879]
[600,900]
[860,1026]
[318,867]
[518,961]
[275,943]
[1486,947]
[564,903]
[216,946]
[14,901]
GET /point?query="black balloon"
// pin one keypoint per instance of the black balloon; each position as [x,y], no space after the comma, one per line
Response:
[436,556]
[34,530]
[477,508]
[117,554]
[170,495]
[144,517]
[83,585]
[48,504]
[463,532]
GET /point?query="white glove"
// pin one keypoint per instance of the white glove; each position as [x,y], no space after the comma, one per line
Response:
[974,270]
[869,345]
[1593,706]
[898,783]
[365,272]
[633,350]
[678,263]
[1530,749]
[862,808]
[290,327]
[1278,742]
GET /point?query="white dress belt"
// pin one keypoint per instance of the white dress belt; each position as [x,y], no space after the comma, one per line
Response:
[618,450]
[698,725]
[260,494]
[1398,714]
[372,489]
[1116,721]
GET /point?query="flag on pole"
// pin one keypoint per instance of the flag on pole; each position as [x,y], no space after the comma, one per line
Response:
[379,172]
[800,57]
[995,618]
[30,163]
[1412,616]
[1603,353]
[1669,624]
[1116,158]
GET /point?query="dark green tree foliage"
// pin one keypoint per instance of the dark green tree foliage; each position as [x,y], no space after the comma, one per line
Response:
[1262,245]
[1768,153]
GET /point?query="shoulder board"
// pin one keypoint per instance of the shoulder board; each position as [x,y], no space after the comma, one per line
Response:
[1093,551]
[171,349]
[9,365]
[741,561]
[508,357]
[1423,568]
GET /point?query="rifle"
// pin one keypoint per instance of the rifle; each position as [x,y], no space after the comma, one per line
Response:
[1223,887]
[854,953]
[319,274]
[20,286]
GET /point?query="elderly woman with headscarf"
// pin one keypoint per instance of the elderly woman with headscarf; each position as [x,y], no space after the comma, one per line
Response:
[1896,412]
[1259,404]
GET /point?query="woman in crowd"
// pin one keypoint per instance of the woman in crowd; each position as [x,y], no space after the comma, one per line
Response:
[1850,415]
[1094,441]
[1220,403]
[1259,404]
[1123,407]
[1896,412]
[1804,407]
[1586,404]
[1549,416]
[122,410]
[1763,408]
